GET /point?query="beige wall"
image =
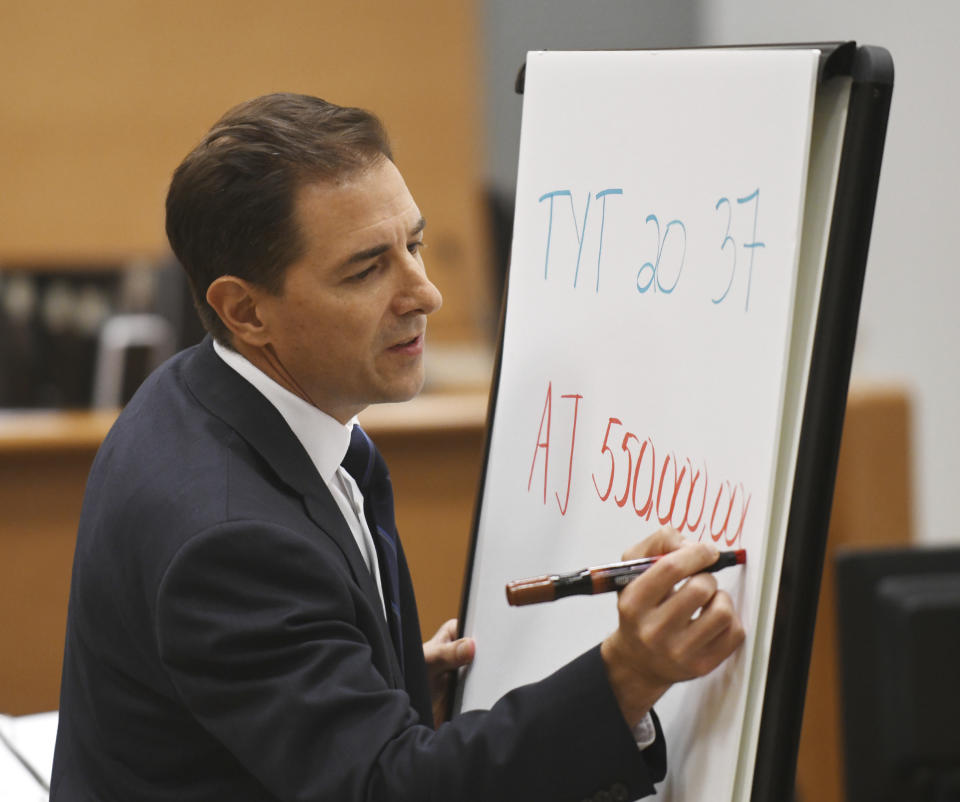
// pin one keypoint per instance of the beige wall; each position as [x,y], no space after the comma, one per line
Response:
[102,99]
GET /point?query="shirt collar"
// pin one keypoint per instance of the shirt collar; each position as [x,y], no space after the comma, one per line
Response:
[324,438]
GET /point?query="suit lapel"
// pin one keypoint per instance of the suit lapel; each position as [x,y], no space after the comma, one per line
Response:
[232,399]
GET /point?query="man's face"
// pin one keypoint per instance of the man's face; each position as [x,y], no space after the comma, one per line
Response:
[348,326]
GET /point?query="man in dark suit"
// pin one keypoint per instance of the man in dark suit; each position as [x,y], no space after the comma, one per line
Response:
[242,623]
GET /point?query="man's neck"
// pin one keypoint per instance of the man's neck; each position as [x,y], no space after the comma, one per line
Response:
[266,360]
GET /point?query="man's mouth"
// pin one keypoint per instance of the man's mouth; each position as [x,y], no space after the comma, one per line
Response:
[413,345]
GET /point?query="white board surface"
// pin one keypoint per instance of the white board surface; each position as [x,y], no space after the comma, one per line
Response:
[648,328]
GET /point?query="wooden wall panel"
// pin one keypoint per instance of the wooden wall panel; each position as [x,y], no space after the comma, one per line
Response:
[102,99]
[872,507]
[41,496]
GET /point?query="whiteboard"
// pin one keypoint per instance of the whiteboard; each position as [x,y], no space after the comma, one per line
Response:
[656,338]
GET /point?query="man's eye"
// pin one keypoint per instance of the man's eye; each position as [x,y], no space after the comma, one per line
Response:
[363,273]
[419,245]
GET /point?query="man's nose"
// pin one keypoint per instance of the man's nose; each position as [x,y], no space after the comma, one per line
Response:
[419,294]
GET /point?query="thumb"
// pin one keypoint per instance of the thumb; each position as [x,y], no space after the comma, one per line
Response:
[458,653]
[450,655]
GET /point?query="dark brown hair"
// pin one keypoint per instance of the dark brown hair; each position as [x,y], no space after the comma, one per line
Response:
[230,207]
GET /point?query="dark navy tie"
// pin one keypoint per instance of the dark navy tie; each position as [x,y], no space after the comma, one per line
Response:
[364,463]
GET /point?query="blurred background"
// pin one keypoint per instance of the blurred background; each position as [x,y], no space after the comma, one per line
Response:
[101,99]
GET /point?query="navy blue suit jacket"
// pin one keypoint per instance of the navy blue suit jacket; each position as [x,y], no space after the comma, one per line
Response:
[225,640]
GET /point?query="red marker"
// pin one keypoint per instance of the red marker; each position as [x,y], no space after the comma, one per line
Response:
[602,579]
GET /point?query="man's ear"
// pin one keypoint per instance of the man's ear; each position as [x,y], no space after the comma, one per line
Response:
[237,302]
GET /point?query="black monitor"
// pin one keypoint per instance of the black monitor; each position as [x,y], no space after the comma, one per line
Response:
[899,632]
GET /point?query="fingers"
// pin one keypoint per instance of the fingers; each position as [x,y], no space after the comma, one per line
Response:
[446,633]
[662,541]
[674,623]
[696,593]
[445,652]
[713,636]
[463,652]
[679,618]
[658,582]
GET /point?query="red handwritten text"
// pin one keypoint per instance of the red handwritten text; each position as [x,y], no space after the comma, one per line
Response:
[543,444]
[672,490]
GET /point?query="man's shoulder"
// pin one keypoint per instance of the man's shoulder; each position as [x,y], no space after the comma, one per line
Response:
[166,465]
[161,430]
[195,449]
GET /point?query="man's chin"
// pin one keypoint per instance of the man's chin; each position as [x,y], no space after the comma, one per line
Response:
[410,393]
[402,391]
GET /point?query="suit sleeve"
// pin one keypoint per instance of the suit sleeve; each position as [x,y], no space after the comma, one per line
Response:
[262,636]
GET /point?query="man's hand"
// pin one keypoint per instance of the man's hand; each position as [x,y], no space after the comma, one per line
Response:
[659,641]
[445,654]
